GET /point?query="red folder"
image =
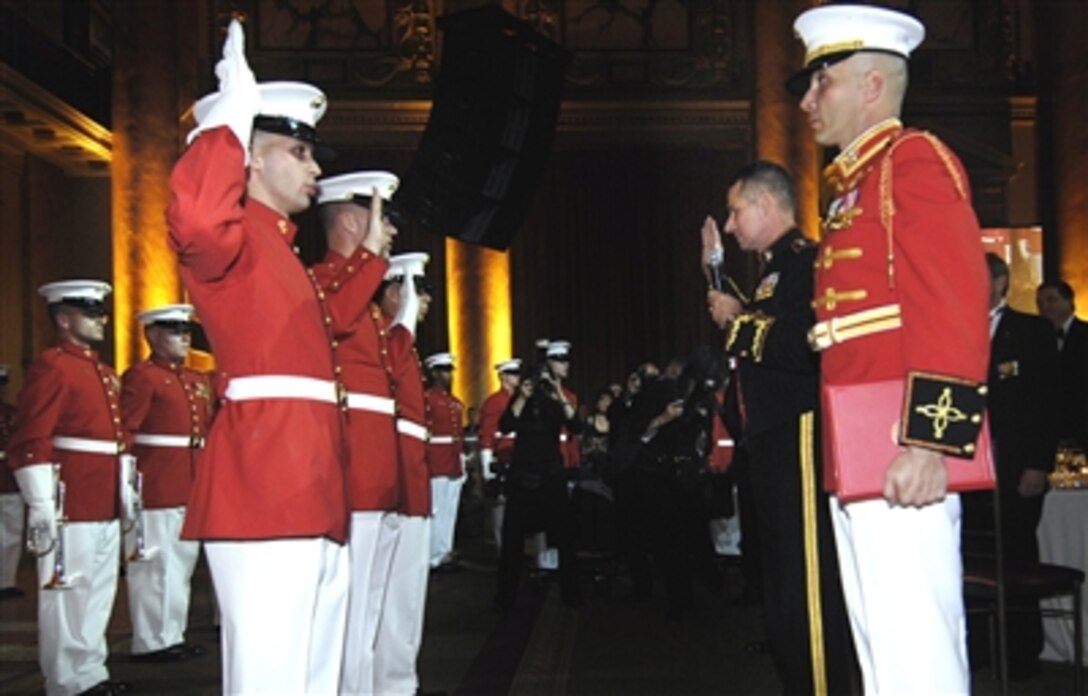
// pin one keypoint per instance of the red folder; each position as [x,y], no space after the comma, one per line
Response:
[861,437]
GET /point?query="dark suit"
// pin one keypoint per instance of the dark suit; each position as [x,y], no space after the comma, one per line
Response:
[1023,360]
[1073,385]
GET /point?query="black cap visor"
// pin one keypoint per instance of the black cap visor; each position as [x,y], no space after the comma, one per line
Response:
[292,127]
[175,326]
[89,307]
[799,82]
[387,207]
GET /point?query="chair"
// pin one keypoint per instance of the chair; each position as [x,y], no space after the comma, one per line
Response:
[989,590]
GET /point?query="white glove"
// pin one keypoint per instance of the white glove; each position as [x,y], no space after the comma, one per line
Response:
[486,457]
[408,313]
[39,489]
[239,98]
[127,487]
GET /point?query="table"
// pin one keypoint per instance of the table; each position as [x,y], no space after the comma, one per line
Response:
[1063,540]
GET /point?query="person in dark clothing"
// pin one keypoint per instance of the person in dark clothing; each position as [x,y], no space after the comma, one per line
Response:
[1024,430]
[775,395]
[536,487]
[671,422]
[1056,302]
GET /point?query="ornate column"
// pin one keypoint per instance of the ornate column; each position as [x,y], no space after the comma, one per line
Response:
[480,322]
[147,79]
[782,133]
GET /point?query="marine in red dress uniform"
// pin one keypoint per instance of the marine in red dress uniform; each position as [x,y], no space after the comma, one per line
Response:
[273,468]
[405,299]
[359,237]
[900,293]
[68,420]
[167,407]
[497,447]
[12,510]
[445,456]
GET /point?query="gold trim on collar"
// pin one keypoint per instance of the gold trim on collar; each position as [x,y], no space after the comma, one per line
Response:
[852,163]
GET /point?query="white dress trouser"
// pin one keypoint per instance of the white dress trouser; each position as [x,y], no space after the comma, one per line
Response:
[158,587]
[400,627]
[283,606]
[12,515]
[446,499]
[903,583]
[72,623]
[374,536]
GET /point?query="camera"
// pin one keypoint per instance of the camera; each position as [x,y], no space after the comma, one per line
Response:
[541,378]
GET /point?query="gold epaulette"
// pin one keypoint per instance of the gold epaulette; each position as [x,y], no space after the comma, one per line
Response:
[942,413]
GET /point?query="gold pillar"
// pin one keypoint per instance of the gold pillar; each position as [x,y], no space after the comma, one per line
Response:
[782,133]
[480,330]
[145,144]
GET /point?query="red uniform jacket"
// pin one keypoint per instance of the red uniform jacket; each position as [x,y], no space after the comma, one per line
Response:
[7,419]
[362,353]
[415,479]
[501,444]
[447,428]
[272,468]
[569,446]
[159,397]
[901,232]
[69,393]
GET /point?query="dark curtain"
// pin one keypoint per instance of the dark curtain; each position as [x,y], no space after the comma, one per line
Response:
[606,258]
[609,256]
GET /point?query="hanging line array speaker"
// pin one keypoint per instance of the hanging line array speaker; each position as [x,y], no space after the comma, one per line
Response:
[490,129]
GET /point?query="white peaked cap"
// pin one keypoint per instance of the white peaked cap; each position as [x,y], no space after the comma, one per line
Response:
[834,32]
[75,290]
[558,348]
[173,312]
[439,360]
[831,29]
[511,365]
[300,101]
[411,264]
[347,187]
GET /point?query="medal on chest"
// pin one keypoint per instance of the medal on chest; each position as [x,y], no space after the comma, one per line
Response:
[767,286]
[841,212]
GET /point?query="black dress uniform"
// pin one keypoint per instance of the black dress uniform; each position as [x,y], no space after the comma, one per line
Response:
[776,392]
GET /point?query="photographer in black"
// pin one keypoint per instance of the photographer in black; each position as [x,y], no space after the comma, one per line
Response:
[672,419]
[536,486]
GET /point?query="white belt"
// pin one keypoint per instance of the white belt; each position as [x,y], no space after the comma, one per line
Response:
[850,326]
[368,402]
[724,443]
[154,440]
[505,436]
[82,444]
[441,440]
[283,387]
[411,429]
